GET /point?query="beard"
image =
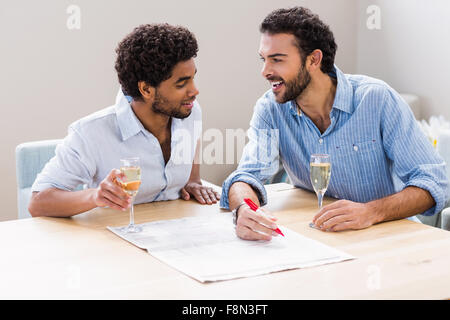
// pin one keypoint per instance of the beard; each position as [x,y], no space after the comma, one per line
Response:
[163,106]
[294,88]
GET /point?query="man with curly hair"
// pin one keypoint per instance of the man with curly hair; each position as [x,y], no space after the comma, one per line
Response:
[155,118]
[313,108]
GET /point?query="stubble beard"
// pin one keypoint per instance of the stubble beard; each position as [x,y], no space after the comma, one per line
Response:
[296,87]
[162,106]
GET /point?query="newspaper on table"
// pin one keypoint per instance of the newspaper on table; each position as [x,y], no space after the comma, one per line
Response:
[206,248]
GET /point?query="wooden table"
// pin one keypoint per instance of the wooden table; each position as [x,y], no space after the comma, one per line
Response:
[72,258]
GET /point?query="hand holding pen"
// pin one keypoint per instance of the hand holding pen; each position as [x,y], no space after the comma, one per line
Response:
[255,223]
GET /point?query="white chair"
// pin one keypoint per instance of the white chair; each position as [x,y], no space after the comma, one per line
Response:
[445,219]
[31,157]
[443,148]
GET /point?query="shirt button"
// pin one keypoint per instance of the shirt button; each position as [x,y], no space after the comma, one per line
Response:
[355,148]
[320,140]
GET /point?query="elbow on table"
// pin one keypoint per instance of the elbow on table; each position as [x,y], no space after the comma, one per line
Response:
[35,207]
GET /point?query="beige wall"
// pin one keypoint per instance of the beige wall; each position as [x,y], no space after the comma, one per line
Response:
[51,76]
[410,50]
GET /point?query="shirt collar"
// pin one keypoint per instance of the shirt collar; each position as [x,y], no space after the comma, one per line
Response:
[343,100]
[129,124]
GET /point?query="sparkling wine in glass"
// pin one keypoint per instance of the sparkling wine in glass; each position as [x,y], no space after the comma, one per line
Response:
[130,184]
[320,172]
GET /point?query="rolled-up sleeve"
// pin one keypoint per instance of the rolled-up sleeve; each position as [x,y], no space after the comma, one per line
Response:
[260,158]
[415,161]
[73,165]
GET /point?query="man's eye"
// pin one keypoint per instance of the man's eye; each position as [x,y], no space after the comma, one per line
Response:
[179,86]
[276,60]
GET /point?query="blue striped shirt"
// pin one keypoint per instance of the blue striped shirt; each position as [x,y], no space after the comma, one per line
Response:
[372,139]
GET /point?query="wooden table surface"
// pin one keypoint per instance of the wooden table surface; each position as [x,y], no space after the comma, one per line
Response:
[78,258]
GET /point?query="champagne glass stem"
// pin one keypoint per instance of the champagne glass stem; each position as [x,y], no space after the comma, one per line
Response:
[132,212]
[320,198]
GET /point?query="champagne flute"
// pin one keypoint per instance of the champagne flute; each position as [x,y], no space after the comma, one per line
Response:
[320,172]
[132,171]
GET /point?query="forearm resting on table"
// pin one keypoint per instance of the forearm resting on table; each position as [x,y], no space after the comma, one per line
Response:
[54,202]
[406,203]
[238,192]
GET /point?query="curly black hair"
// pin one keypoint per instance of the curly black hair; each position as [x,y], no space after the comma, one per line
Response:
[311,33]
[149,53]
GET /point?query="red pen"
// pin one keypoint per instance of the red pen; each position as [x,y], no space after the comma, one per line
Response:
[254,207]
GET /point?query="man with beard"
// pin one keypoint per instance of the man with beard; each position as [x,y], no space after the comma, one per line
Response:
[313,108]
[158,121]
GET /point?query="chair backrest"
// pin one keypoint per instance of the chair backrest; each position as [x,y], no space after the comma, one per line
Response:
[445,219]
[31,158]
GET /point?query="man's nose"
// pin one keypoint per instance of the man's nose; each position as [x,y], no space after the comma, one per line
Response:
[266,72]
[194,91]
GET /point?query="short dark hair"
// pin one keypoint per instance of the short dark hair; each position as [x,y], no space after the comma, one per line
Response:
[310,32]
[149,53]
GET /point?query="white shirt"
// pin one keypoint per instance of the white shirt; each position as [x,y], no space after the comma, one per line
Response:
[96,143]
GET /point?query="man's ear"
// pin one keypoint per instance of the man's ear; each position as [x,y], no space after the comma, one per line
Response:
[314,60]
[146,90]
